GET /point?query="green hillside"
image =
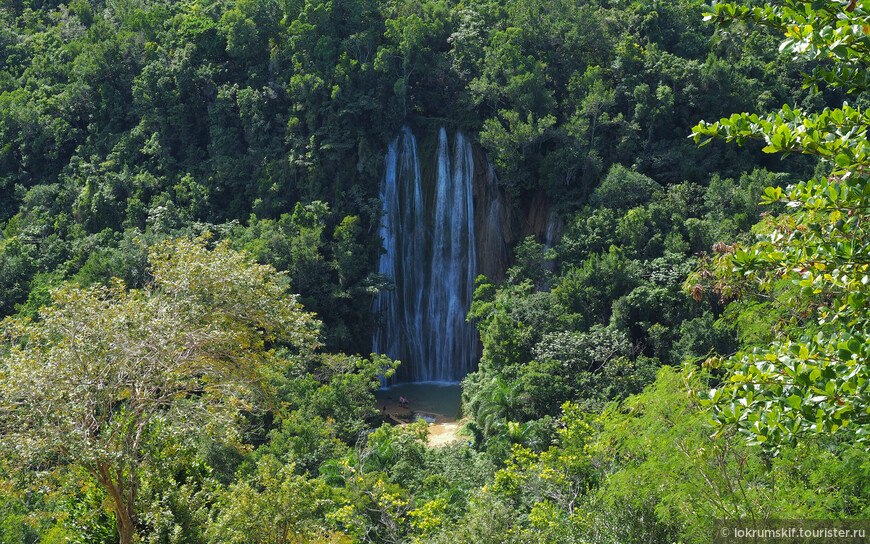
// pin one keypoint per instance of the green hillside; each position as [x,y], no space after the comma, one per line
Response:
[190,218]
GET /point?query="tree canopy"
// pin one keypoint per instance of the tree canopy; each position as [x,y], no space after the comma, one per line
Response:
[158,385]
[109,376]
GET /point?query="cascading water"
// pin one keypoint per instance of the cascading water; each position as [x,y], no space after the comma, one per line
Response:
[551,237]
[399,334]
[428,235]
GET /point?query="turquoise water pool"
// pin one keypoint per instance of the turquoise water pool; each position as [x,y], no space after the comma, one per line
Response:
[429,398]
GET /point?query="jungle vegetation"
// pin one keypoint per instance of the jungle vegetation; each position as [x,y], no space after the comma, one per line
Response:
[188,258]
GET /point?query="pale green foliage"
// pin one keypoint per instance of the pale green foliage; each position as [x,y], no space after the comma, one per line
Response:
[173,501]
[556,479]
[665,477]
[374,507]
[663,470]
[223,287]
[109,372]
[537,496]
[276,507]
[488,520]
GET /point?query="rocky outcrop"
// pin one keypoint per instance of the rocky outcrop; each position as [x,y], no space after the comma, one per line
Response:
[493,220]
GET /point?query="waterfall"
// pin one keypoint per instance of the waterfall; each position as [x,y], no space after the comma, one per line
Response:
[428,234]
[551,238]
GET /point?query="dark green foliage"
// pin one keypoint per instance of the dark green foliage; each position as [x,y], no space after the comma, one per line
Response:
[126,122]
[623,189]
[153,115]
[598,326]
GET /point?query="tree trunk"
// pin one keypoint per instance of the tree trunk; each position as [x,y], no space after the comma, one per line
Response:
[125,527]
[123,515]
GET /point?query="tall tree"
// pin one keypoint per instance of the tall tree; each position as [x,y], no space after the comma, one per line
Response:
[109,374]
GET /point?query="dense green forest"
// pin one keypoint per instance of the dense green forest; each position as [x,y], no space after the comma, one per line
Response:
[189,217]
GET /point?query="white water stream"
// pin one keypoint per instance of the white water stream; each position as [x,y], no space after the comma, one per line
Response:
[428,235]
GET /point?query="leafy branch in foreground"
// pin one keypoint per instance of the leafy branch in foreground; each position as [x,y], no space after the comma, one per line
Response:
[814,378]
[108,373]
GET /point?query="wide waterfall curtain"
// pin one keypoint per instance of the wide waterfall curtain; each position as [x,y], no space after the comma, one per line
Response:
[429,239]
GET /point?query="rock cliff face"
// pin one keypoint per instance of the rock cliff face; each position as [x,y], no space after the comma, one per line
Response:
[501,222]
[542,223]
[445,221]
[493,218]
